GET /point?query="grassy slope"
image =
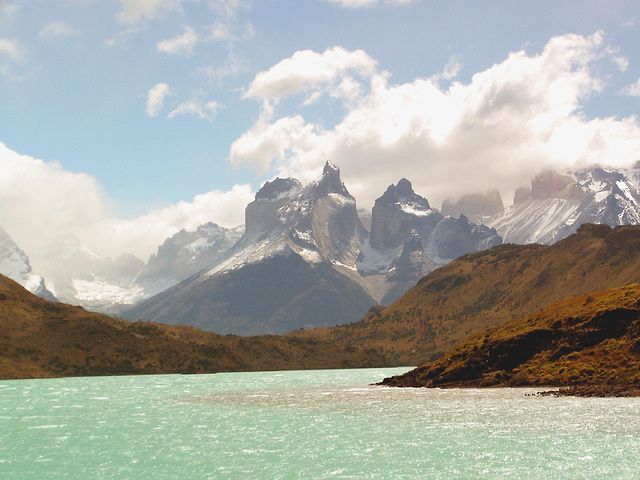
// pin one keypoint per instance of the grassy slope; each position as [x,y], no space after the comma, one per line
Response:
[486,289]
[43,339]
[590,341]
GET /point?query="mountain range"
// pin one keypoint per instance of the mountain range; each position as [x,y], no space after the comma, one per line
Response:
[486,289]
[39,338]
[307,257]
[589,345]
[306,260]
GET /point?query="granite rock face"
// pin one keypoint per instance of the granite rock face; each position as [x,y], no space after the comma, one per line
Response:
[306,260]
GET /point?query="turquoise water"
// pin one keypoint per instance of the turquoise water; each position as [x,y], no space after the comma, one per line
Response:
[306,425]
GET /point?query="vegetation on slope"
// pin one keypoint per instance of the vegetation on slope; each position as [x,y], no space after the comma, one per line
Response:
[487,289]
[44,339]
[590,344]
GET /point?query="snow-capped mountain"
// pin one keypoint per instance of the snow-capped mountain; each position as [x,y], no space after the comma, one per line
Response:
[82,277]
[306,260]
[15,264]
[556,205]
[410,239]
[186,253]
[294,266]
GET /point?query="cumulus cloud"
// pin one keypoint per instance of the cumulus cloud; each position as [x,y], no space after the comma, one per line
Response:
[307,71]
[512,120]
[134,11]
[56,30]
[196,108]
[11,49]
[41,204]
[155,98]
[632,90]
[141,236]
[180,45]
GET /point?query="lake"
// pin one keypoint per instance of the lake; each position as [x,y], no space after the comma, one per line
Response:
[306,425]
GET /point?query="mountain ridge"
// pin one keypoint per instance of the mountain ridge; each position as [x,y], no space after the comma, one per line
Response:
[589,345]
[485,289]
[40,339]
[340,270]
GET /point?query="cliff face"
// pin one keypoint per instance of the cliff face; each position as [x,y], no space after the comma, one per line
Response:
[589,343]
[294,267]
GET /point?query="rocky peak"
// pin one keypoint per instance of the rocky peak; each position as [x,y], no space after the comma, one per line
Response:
[279,188]
[402,193]
[550,185]
[398,211]
[330,182]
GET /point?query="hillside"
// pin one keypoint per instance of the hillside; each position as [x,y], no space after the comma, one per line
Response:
[44,339]
[590,344]
[490,288]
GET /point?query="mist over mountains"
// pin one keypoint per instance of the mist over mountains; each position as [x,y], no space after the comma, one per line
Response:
[304,257]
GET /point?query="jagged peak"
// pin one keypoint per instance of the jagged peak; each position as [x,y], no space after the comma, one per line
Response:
[402,193]
[330,168]
[329,182]
[279,188]
[404,189]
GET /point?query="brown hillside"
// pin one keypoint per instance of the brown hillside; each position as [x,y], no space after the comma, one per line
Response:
[44,339]
[486,289]
[589,343]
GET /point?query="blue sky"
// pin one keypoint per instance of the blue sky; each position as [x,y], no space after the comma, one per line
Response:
[141,117]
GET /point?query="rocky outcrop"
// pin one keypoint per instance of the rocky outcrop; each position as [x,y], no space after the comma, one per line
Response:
[589,344]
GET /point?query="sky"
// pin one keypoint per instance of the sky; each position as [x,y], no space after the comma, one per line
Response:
[123,121]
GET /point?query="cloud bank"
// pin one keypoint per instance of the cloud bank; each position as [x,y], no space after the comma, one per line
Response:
[44,204]
[497,131]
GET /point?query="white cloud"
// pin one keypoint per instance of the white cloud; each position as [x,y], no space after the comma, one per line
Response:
[141,236]
[196,108]
[180,45]
[452,68]
[134,11]
[155,98]
[632,90]
[266,142]
[307,70]
[57,29]
[41,204]
[513,119]
[12,49]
